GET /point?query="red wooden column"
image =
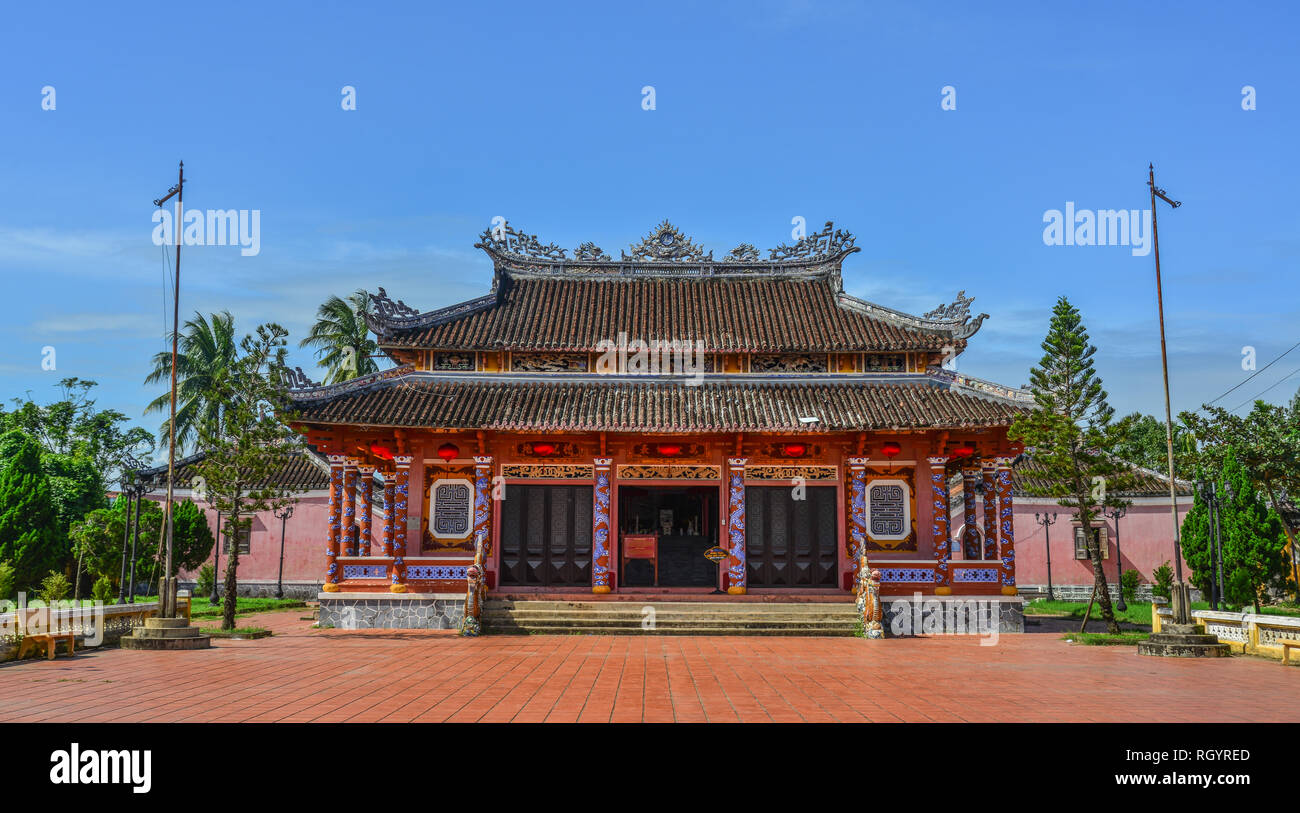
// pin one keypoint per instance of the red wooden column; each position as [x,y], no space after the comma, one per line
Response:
[970,478]
[939,526]
[365,479]
[349,507]
[332,573]
[990,512]
[401,493]
[601,555]
[737,564]
[389,491]
[1006,527]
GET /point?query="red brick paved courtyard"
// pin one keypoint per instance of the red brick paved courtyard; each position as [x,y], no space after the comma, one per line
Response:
[302,674]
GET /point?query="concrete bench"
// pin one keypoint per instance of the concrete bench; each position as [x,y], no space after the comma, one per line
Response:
[1287,645]
[50,640]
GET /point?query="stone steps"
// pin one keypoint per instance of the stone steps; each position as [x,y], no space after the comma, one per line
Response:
[1183,641]
[669,618]
[166,633]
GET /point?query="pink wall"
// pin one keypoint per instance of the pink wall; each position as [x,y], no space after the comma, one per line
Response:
[1146,541]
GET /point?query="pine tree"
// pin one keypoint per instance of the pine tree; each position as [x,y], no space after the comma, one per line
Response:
[191,537]
[1070,433]
[29,538]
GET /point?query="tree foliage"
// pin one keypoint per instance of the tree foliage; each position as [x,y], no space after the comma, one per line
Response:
[29,535]
[249,444]
[341,338]
[206,352]
[1070,433]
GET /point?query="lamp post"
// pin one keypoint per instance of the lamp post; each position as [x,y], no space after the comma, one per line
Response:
[1117,512]
[141,488]
[1218,539]
[283,515]
[128,491]
[1046,521]
[215,598]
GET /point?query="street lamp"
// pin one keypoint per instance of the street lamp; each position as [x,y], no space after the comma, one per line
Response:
[128,491]
[1046,521]
[215,598]
[1218,539]
[1117,512]
[141,488]
[283,516]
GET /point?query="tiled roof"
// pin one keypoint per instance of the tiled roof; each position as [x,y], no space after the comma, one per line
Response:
[653,405]
[307,471]
[1028,475]
[765,314]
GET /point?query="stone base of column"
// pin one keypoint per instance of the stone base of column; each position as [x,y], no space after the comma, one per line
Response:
[602,589]
[1010,591]
[944,591]
[397,588]
[737,590]
[329,588]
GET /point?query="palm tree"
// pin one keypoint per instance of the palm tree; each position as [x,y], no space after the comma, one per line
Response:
[208,349]
[342,338]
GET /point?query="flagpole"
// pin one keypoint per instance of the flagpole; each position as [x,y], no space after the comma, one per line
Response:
[168,585]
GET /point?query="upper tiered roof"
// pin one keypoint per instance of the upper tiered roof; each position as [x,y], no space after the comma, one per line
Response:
[669,288]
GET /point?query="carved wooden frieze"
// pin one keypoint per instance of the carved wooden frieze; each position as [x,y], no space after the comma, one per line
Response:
[453,361]
[548,362]
[669,472]
[541,471]
[885,362]
[790,472]
[788,363]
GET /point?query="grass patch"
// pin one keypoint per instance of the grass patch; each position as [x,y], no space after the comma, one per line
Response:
[237,632]
[1105,639]
[1137,612]
[1288,611]
[200,607]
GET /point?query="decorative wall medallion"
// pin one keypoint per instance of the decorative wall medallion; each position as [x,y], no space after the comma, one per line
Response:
[791,473]
[537,471]
[451,509]
[548,362]
[788,363]
[889,515]
[665,243]
[657,472]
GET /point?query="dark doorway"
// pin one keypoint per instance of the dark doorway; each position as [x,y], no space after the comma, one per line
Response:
[685,521]
[546,536]
[789,542]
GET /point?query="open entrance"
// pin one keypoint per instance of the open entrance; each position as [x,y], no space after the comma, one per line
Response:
[676,524]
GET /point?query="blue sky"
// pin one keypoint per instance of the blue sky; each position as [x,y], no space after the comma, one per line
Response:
[764,111]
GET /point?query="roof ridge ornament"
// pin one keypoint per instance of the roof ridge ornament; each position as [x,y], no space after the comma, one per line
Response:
[389,309]
[590,252]
[505,239]
[296,379]
[958,313]
[665,243]
[829,242]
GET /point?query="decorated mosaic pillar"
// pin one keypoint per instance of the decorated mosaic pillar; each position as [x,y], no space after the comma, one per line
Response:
[970,478]
[737,567]
[365,479]
[332,572]
[857,508]
[1006,527]
[401,493]
[483,504]
[990,513]
[939,526]
[349,507]
[600,556]
[389,491]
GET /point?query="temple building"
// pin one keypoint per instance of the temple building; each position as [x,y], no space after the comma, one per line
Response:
[664,423]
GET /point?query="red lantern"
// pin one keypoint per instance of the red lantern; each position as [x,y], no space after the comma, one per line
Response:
[669,449]
[448,451]
[890,449]
[795,449]
[544,449]
[381,451]
[964,450]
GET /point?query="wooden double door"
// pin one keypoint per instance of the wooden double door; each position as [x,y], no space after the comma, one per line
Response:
[546,536]
[790,542]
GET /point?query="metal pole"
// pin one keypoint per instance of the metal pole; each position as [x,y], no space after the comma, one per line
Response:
[215,598]
[279,580]
[1046,521]
[135,539]
[1182,611]
[1221,588]
[126,537]
[1119,563]
[168,599]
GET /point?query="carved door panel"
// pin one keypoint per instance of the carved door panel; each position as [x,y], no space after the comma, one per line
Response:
[546,536]
[789,542]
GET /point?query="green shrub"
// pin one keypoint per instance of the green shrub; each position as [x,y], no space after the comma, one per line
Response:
[207,579]
[1163,581]
[102,589]
[54,587]
[6,580]
[1129,582]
